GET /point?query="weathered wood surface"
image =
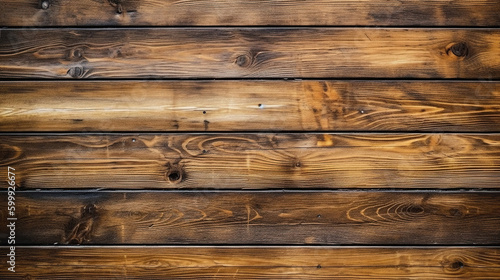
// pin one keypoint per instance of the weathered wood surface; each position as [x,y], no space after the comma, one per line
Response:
[274,218]
[256,263]
[250,52]
[241,12]
[249,105]
[254,161]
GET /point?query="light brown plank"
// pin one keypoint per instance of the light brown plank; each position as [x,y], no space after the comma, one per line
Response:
[250,52]
[274,218]
[254,161]
[250,106]
[255,263]
[240,12]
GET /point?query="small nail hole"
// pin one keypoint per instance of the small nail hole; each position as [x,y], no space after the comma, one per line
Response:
[319,216]
[133,140]
[204,112]
[319,266]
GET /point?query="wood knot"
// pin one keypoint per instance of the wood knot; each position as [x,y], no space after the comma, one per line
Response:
[458,50]
[76,72]
[44,5]
[415,209]
[454,212]
[174,173]
[455,266]
[74,54]
[243,60]
[77,53]
[79,230]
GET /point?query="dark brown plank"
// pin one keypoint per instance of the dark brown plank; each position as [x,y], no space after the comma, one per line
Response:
[255,263]
[274,218]
[250,105]
[250,52]
[241,12]
[253,161]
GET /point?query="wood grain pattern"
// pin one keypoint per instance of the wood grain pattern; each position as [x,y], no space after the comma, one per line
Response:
[250,217]
[254,161]
[241,12]
[250,52]
[250,106]
[257,263]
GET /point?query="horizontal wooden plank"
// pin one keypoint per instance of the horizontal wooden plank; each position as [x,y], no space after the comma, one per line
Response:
[250,105]
[214,217]
[240,12]
[250,52]
[253,161]
[255,263]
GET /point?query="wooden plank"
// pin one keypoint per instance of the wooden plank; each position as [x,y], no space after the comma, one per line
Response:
[250,106]
[250,217]
[250,52]
[253,161]
[240,12]
[255,263]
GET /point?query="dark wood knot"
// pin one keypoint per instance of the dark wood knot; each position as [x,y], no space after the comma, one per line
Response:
[79,230]
[454,212]
[459,50]
[243,60]
[174,173]
[77,53]
[76,72]
[74,54]
[456,265]
[415,209]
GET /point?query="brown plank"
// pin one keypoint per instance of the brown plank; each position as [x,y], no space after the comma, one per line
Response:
[255,263]
[249,217]
[253,161]
[250,106]
[240,12]
[250,52]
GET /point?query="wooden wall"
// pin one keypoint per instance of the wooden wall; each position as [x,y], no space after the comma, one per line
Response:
[247,139]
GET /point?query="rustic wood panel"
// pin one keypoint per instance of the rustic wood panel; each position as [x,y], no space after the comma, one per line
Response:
[254,161]
[250,52]
[250,106]
[257,263]
[240,12]
[193,217]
